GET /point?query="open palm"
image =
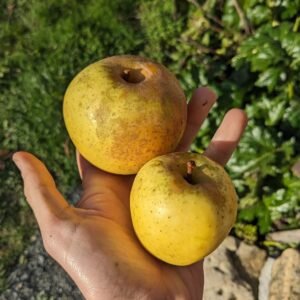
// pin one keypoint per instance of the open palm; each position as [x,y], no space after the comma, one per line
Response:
[95,242]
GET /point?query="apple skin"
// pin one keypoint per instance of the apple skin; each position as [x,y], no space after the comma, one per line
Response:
[122,111]
[178,222]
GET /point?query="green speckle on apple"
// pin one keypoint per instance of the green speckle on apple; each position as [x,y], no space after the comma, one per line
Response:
[189,215]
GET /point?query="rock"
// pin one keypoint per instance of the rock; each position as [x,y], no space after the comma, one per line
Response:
[285,282]
[251,260]
[285,236]
[265,279]
[232,271]
[38,276]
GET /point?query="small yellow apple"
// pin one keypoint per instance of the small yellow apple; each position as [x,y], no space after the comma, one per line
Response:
[122,111]
[183,205]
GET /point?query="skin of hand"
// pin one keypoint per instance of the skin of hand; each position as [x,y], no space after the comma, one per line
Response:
[94,241]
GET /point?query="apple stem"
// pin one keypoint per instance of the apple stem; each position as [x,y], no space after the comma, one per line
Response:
[126,75]
[190,165]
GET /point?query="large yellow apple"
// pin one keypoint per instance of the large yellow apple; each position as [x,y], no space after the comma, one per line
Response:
[183,205]
[122,111]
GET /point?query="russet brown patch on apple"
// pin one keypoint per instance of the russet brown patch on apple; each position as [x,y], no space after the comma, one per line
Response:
[132,109]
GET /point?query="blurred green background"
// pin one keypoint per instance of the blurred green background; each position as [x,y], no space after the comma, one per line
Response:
[247,50]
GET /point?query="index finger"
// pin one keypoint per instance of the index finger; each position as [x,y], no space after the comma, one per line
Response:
[198,108]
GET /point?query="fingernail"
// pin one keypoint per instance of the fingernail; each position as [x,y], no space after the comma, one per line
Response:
[207,96]
[15,158]
[210,93]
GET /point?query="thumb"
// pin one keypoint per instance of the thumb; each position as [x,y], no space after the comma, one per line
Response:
[41,193]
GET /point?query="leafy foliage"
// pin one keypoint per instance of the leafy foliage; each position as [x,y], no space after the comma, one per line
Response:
[247,50]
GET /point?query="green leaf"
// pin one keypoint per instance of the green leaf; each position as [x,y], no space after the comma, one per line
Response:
[259,14]
[269,78]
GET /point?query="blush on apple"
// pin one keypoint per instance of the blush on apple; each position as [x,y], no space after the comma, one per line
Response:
[122,111]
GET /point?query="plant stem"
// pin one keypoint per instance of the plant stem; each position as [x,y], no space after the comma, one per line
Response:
[190,165]
[243,17]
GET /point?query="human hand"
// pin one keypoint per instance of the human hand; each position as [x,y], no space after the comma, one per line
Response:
[95,241]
